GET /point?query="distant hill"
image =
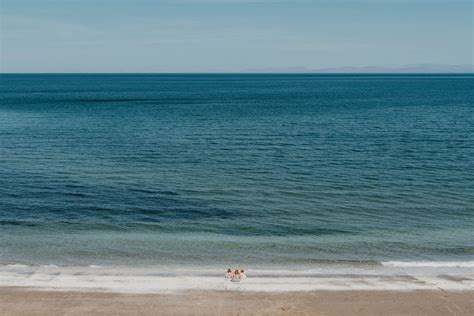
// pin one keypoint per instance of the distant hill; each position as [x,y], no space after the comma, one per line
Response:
[415,68]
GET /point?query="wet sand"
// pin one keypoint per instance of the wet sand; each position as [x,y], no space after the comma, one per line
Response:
[21,301]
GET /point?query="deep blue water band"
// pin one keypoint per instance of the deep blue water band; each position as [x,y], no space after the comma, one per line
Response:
[224,168]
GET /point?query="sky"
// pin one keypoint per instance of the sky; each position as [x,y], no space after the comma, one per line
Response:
[231,35]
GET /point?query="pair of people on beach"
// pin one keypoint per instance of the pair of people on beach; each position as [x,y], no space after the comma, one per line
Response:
[235,276]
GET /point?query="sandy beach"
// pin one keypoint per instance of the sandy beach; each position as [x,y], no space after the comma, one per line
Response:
[20,301]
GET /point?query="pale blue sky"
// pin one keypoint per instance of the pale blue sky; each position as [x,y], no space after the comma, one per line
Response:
[231,35]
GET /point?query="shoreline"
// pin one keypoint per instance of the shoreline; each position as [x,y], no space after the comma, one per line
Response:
[157,280]
[28,301]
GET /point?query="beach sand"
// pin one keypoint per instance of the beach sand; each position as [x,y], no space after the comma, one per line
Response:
[21,301]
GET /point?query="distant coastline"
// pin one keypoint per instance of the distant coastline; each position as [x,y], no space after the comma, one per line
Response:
[466,73]
[404,69]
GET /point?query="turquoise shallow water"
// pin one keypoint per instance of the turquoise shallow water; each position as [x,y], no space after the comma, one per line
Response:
[248,169]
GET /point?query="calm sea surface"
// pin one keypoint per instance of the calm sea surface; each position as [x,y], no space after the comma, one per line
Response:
[245,169]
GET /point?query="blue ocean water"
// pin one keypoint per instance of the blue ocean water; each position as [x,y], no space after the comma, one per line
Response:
[249,169]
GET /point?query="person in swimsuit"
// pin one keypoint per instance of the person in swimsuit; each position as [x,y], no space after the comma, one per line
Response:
[243,276]
[228,274]
[236,277]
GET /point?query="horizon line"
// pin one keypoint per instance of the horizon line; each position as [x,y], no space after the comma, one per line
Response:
[239,73]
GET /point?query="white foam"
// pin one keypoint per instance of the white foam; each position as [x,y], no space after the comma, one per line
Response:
[93,266]
[431,264]
[159,279]
[50,266]
[17,266]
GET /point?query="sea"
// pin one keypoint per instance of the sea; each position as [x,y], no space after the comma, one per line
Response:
[148,182]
